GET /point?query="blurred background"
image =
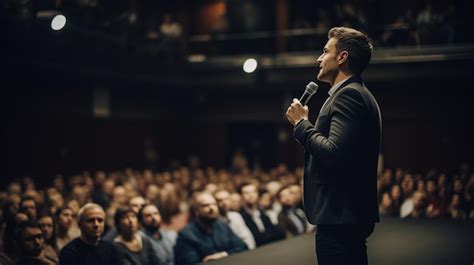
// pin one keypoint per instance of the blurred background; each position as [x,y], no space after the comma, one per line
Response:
[99,84]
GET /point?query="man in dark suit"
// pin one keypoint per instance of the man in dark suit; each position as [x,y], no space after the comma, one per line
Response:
[259,224]
[341,152]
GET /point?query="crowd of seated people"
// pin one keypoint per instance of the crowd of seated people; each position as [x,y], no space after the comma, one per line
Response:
[189,215]
[434,195]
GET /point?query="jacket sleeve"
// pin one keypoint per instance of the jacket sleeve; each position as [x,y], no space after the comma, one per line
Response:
[346,114]
[185,253]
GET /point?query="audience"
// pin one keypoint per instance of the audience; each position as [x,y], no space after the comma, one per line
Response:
[235,218]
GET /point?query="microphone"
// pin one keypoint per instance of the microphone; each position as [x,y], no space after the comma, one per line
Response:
[311,89]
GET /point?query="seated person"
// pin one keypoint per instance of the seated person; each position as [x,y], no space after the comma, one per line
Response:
[135,248]
[263,230]
[163,240]
[89,249]
[206,238]
[30,243]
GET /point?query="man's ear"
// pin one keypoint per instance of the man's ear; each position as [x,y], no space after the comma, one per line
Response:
[342,57]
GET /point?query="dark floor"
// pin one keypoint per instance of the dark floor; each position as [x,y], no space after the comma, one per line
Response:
[394,242]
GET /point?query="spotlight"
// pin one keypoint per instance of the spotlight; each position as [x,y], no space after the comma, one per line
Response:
[58,22]
[250,65]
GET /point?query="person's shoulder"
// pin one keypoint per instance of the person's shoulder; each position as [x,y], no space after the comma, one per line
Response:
[189,229]
[72,245]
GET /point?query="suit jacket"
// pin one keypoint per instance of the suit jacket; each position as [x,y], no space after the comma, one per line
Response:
[272,232]
[341,154]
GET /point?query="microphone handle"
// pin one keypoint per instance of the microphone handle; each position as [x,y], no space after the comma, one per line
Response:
[305,98]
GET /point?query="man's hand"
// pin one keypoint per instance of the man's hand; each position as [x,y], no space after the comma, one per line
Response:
[218,255]
[296,112]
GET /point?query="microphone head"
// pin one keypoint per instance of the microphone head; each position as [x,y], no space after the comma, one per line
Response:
[311,88]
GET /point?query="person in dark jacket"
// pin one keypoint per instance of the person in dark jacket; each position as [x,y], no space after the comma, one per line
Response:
[341,151]
[262,228]
[206,238]
[135,248]
[89,249]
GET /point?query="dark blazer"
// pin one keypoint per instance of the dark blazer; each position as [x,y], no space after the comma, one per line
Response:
[272,232]
[341,155]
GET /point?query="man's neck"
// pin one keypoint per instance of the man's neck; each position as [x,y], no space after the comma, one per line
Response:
[341,75]
[90,242]
[252,207]
[206,226]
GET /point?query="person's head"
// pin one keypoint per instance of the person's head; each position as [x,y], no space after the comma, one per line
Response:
[297,192]
[150,217]
[28,205]
[136,203]
[29,239]
[457,186]
[152,193]
[205,207]
[64,218]
[386,200]
[266,200]
[396,192]
[119,195]
[419,198]
[91,219]
[431,186]
[47,225]
[236,201]
[347,50]
[126,221]
[286,197]
[21,217]
[249,193]
[223,200]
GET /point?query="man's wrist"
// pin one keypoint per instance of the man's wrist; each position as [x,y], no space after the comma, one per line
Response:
[298,122]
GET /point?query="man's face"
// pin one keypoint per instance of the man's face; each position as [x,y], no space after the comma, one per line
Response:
[328,63]
[29,206]
[151,217]
[206,207]
[65,218]
[286,197]
[136,203]
[32,242]
[92,223]
[129,223]
[250,194]
[47,226]
[223,200]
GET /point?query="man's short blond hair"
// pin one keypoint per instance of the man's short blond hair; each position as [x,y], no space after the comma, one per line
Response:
[87,207]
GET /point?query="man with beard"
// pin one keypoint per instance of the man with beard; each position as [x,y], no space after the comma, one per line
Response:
[206,238]
[30,242]
[163,240]
[89,249]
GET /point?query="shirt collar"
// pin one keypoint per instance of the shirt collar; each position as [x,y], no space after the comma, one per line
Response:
[336,86]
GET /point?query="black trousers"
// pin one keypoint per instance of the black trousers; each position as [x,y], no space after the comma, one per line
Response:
[342,244]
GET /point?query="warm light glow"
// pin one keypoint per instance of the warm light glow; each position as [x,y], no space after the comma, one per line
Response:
[58,22]
[250,65]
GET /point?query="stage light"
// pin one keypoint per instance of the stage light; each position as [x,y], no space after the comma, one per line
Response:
[250,65]
[58,22]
